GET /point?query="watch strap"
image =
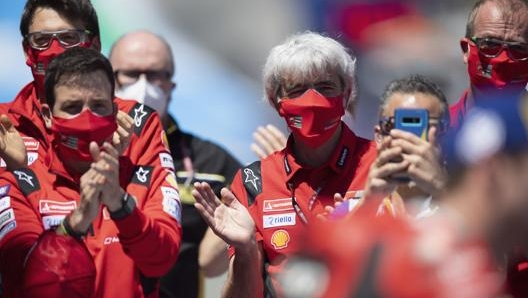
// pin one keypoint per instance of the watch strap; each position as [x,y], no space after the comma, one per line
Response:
[128,205]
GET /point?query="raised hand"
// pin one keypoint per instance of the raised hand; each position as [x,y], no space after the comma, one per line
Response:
[228,219]
[91,185]
[12,148]
[388,163]
[268,139]
[106,164]
[423,158]
[123,133]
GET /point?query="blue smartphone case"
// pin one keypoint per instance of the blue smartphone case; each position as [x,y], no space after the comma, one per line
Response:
[415,121]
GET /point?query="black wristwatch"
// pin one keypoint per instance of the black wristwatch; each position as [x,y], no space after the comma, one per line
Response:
[128,205]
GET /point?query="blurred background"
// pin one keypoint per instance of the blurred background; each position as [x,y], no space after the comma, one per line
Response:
[220,47]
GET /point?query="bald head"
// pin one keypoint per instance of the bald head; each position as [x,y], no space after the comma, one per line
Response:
[142,50]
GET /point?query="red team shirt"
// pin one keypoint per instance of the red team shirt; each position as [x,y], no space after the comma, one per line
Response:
[266,188]
[368,256]
[145,242]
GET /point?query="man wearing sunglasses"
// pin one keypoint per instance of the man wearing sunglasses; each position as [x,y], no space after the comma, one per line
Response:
[408,172]
[49,27]
[495,50]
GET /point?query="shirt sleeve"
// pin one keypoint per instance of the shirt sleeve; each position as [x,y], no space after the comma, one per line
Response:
[151,234]
[29,257]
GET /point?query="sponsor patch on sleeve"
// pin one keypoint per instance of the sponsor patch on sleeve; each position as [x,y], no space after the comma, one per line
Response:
[7,228]
[6,217]
[166,161]
[27,180]
[142,175]
[171,202]
[4,190]
[140,113]
[5,203]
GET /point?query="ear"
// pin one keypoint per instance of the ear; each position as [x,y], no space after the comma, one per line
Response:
[46,114]
[464,45]
[96,43]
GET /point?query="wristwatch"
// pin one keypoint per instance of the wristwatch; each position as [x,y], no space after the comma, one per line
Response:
[128,205]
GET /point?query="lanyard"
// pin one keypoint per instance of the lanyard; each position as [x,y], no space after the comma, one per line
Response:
[296,205]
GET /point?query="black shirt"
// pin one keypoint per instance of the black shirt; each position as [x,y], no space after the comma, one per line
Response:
[212,164]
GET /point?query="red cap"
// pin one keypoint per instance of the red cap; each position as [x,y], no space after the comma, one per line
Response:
[59,266]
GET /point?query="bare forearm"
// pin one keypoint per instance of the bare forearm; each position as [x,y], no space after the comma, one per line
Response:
[245,274]
[212,256]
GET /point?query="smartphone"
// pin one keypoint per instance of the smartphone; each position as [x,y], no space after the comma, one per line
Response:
[415,121]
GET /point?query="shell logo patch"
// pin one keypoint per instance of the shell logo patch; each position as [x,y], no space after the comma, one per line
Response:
[280,239]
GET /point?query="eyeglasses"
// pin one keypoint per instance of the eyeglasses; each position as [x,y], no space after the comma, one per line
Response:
[126,77]
[491,47]
[386,124]
[67,38]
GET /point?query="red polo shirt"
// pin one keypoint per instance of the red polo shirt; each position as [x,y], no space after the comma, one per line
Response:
[124,252]
[268,186]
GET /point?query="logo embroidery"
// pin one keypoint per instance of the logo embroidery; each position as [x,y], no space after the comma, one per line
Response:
[49,206]
[280,239]
[277,205]
[250,177]
[142,175]
[24,177]
[278,220]
[139,113]
[31,144]
[4,190]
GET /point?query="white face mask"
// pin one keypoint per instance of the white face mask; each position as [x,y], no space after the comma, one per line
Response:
[146,93]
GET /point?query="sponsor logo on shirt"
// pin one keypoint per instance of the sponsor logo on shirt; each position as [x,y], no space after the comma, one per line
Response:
[278,220]
[171,179]
[140,113]
[342,157]
[51,221]
[27,180]
[142,175]
[251,177]
[31,143]
[280,239]
[4,190]
[49,206]
[5,203]
[171,202]
[6,216]
[277,205]
[110,240]
[166,161]
[7,228]
[32,157]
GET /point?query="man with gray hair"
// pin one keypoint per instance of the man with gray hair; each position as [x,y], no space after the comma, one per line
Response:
[310,81]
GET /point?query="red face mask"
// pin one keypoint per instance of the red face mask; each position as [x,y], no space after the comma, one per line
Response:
[312,117]
[500,72]
[73,135]
[39,60]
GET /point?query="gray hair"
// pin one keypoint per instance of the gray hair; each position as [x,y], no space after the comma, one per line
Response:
[305,55]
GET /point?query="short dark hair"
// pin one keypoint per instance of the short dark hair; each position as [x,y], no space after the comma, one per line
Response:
[72,66]
[508,6]
[413,84]
[72,10]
